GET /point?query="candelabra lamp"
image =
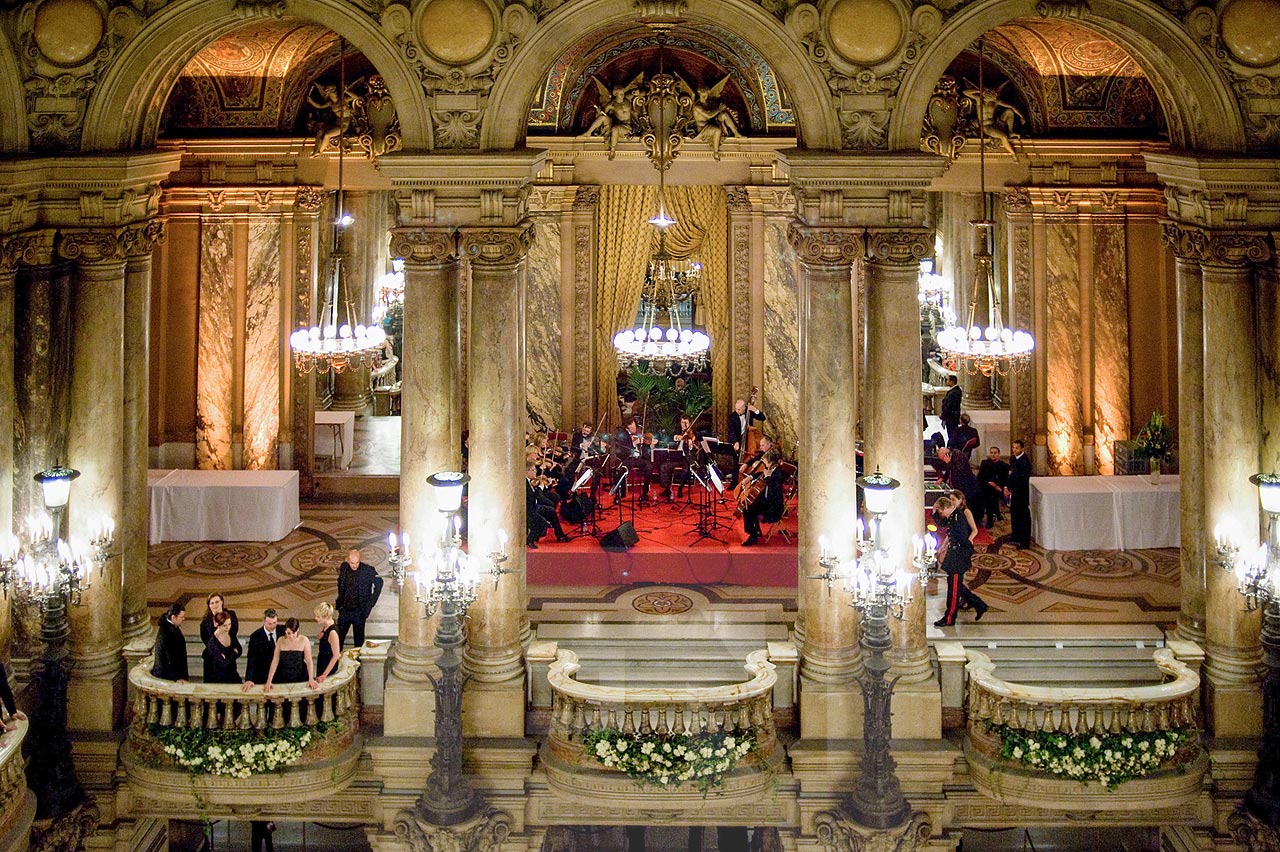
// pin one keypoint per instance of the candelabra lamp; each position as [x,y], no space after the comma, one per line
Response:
[447,582]
[878,591]
[48,572]
[1259,576]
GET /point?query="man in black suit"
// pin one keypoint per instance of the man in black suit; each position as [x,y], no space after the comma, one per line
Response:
[964,436]
[1019,494]
[262,649]
[636,456]
[540,510]
[950,411]
[768,506]
[956,472]
[171,646]
[740,420]
[993,476]
[358,589]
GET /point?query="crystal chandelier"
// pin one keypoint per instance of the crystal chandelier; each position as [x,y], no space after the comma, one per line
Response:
[331,344]
[661,342]
[995,349]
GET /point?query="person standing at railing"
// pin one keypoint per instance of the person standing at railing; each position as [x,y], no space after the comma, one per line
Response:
[330,653]
[217,606]
[358,589]
[220,662]
[171,646]
[292,662]
[262,649]
[6,695]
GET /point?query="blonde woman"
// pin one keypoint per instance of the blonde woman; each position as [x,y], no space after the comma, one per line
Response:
[329,654]
[292,660]
[952,513]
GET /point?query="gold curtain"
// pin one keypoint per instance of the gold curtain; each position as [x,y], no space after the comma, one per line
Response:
[622,252]
[625,239]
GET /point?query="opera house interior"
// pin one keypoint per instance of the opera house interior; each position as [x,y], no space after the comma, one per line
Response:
[893,387]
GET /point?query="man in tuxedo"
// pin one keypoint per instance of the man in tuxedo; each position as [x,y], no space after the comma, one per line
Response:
[262,649]
[964,436]
[687,443]
[956,472]
[993,476]
[1019,494]
[768,506]
[171,646]
[358,589]
[539,509]
[950,411]
[740,420]
[636,456]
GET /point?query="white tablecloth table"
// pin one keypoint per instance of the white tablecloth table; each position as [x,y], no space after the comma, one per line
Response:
[345,432]
[222,505]
[1105,512]
[993,429]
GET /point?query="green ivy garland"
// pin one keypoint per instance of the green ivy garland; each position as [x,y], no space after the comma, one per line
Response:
[1109,759]
[237,754]
[670,759]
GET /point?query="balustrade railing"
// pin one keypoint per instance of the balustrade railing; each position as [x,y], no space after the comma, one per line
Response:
[13,775]
[579,708]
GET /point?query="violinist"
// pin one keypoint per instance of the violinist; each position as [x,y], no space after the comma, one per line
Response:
[686,441]
[583,438]
[540,508]
[633,453]
[768,506]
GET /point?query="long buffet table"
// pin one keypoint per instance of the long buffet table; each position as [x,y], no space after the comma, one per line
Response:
[222,505]
[1105,512]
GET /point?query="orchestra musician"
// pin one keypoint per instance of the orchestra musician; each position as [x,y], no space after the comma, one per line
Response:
[686,441]
[766,446]
[741,419]
[768,506]
[633,453]
[540,508]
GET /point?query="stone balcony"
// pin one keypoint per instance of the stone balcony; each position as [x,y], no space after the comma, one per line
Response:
[580,710]
[17,803]
[1086,748]
[170,757]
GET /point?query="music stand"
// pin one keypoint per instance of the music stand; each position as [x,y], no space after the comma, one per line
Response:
[613,492]
[708,521]
[589,517]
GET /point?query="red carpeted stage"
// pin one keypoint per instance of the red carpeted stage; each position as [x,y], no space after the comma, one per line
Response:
[669,551]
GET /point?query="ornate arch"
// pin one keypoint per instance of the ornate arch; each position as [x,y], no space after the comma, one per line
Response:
[1201,111]
[508,113]
[13,108]
[124,112]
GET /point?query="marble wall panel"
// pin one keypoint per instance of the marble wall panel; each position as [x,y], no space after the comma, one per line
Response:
[781,336]
[262,346]
[215,345]
[1268,291]
[1062,291]
[1109,311]
[542,323]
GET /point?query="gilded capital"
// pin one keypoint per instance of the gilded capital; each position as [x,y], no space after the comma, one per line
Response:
[141,240]
[30,248]
[1187,243]
[92,245]
[424,245]
[496,245]
[827,246]
[906,246]
[1216,247]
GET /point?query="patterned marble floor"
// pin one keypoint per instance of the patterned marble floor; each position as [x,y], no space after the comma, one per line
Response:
[1030,586]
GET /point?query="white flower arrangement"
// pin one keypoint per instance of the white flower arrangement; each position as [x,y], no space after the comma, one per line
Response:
[667,760]
[233,754]
[1109,759]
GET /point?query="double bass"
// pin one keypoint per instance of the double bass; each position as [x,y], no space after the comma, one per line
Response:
[751,440]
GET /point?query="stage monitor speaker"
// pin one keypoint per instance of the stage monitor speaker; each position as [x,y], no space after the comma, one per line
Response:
[621,538]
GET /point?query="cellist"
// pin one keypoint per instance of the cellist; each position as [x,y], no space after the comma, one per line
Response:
[768,506]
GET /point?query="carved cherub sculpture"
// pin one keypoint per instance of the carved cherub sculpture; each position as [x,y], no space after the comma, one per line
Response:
[712,120]
[613,115]
[340,108]
[996,115]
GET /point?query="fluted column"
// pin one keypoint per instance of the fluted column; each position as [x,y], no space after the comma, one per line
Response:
[830,705]
[494,701]
[132,526]
[1188,280]
[426,446]
[1233,653]
[891,419]
[95,447]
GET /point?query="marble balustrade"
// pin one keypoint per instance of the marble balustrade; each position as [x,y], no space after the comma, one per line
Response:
[13,775]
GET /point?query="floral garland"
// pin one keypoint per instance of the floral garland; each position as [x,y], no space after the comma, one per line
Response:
[1109,759]
[236,754]
[665,759]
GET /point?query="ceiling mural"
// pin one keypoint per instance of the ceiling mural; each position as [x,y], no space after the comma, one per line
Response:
[255,78]
[567,99]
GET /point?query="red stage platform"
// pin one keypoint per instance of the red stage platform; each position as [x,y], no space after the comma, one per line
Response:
[669,551]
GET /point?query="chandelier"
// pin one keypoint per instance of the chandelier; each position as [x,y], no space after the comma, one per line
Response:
[331,344]
[661,342]
[390,289]
[995,349]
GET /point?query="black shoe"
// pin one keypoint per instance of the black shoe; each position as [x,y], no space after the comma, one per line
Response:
[982,610]
[942,622]
[751,541]
[562,538]
[533,545]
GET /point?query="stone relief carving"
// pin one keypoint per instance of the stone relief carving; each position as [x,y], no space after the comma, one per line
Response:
[484,833]
[840,834]
[826,246]
[424,245]
[30,248]
[496,245]
[67,834]
[942,132]
[1216,248]
[899,246]
[583,275]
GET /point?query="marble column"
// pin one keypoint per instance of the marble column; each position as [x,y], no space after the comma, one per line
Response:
[493,705]
[8,411]
[426,447]
[95,447]
[132,526]
[1191,614]
[891,420]
[831,702]
[1233,701]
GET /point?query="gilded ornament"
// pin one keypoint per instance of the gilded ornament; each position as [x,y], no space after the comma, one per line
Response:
[456,31]
[68,31]
[1251,31]
[865,31]
[424,245]
[829,246]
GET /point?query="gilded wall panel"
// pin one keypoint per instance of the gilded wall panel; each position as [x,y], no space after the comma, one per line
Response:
[262,346]
[215,345]
[1062,284]
[1109,310]
[542,322]
[781,336]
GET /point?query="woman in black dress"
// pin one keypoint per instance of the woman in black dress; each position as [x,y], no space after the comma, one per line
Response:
[329,655]
[292,660]
[220,654]
[952,512]
[217,605]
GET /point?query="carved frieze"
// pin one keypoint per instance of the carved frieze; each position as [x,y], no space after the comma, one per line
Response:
[496,245]
[826,246]
[425,245]
[838,833]
[483,833]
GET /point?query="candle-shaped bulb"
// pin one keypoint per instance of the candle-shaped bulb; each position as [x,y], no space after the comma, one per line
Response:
[822,546]
[391,542]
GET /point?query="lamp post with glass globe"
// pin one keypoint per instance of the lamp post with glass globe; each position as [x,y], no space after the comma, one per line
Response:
[447,581]
[878,591]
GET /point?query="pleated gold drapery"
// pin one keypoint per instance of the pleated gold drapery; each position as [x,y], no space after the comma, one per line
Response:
[625,240]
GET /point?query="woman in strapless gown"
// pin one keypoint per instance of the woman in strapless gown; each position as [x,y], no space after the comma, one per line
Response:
[329,655]
[292,660]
